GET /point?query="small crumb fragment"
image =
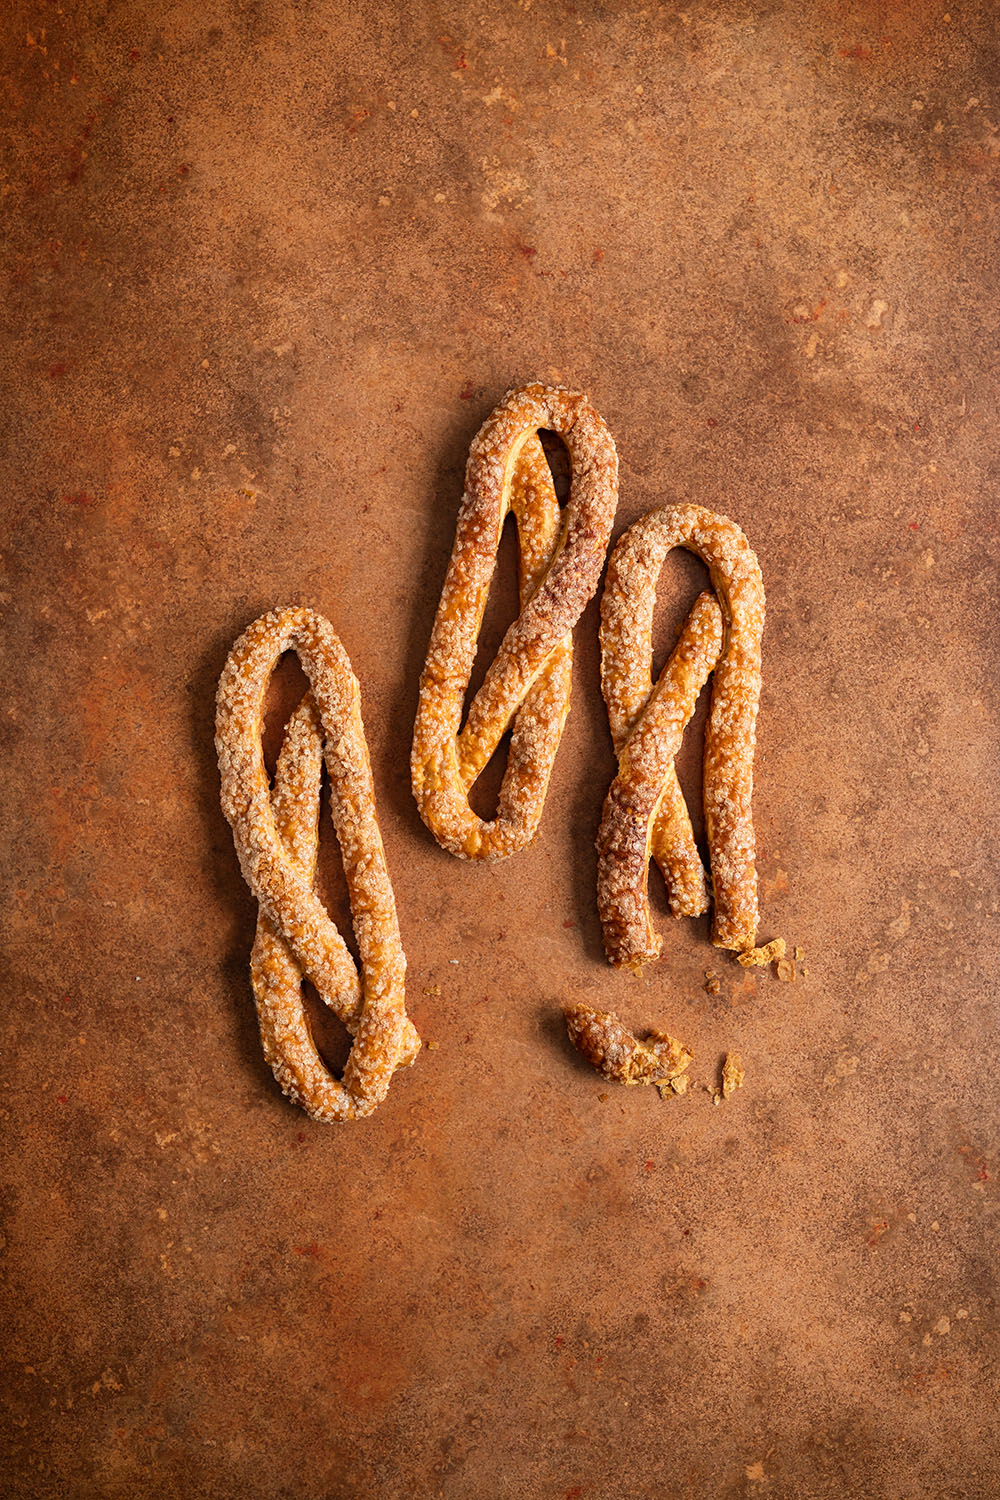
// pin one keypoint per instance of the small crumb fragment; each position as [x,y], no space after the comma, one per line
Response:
[712,986]
[432,989]
[758,958]
[799,952]
[733,1074]
[785,970]
[943,1325]
[432,1046]
[905,1317]
[674,1086]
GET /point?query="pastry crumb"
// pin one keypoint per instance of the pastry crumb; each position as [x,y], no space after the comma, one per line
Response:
[733,1074]
[674,1086]
[799,952]
[785,970]
[758,958]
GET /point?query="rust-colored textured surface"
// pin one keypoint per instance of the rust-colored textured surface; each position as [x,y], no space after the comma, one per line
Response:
[267,268]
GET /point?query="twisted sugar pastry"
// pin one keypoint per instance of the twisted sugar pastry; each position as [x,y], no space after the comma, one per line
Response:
[277,838]
[562,553]
[644,812]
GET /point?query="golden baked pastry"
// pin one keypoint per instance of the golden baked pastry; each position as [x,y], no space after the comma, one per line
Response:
[644,812]
[528,683]
[277,838]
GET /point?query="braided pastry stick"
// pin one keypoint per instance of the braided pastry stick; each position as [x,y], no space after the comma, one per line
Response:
[277,839]
[562,553]
[644,812]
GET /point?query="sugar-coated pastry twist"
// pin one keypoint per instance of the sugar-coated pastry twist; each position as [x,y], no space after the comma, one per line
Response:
[562,553]
[646,726]
[277,837]
[644,812]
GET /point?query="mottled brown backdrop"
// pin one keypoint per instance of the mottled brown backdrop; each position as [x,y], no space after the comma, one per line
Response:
[268,266]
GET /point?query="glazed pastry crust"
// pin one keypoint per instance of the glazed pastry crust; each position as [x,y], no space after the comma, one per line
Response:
[644,812]
[528,683]
[277,836]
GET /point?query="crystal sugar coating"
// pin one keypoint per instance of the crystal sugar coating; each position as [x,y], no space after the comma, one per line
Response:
[562,553]
[644,813]
[277,838]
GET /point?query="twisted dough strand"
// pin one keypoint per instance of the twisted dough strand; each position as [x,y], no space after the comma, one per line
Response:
[648,738]
[644,810]
[562,553]
[277,835]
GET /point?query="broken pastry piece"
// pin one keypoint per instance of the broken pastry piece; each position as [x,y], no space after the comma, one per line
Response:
[733,1074]
[758,958]
[610,1047]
